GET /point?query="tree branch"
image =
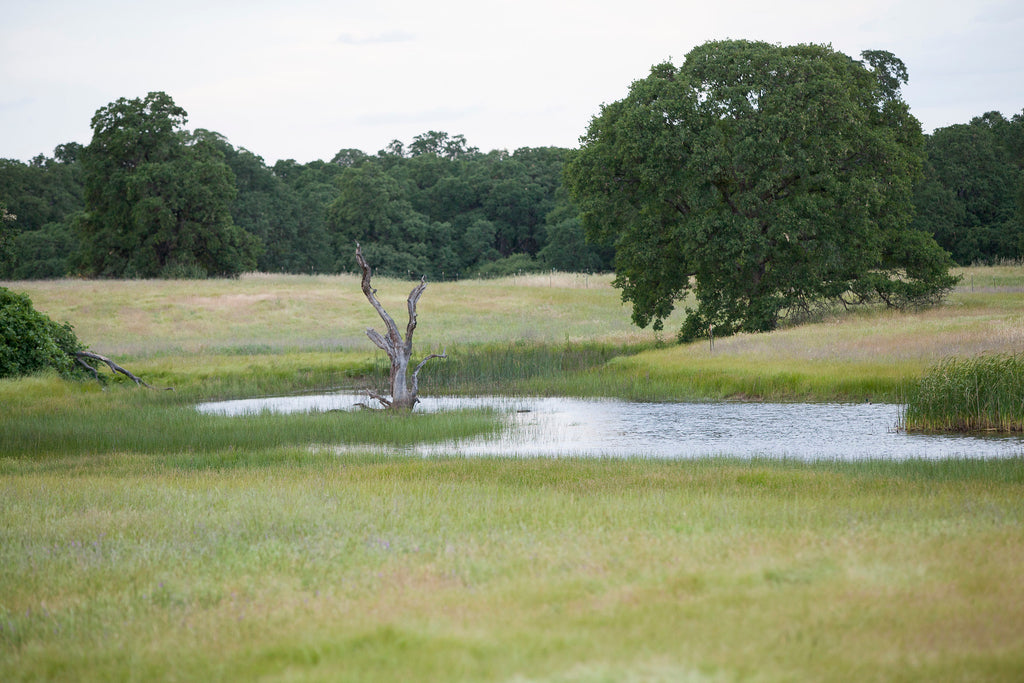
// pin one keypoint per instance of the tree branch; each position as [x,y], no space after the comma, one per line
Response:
[416,373]
[80,356]
[414,297]
[378,339]
[371,296]
[377,397]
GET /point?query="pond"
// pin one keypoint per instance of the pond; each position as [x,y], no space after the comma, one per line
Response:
[615,428]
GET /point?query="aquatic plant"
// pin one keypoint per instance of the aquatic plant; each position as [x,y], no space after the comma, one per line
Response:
[984,393]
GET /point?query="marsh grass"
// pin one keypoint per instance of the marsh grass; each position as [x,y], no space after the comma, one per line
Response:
[47,417]
[980,394]
[386,567]
[248,373]
[522,367]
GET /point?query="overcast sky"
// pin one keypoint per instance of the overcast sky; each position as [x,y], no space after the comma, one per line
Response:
[301,79]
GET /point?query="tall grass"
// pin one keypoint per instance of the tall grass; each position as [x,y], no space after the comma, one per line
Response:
[521,367]
[135,319]
[984,393]
[262,334]
[258,373]
[49,417]
[141,540]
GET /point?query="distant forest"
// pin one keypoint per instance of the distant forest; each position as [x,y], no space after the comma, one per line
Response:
[441,208]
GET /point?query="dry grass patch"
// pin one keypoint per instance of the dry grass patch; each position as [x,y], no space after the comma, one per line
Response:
[296,312]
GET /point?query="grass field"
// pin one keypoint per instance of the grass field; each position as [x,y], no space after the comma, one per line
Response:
[142,541]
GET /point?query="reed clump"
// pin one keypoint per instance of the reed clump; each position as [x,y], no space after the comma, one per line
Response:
[979,394]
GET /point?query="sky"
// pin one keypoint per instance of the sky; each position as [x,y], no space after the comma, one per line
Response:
[303,79]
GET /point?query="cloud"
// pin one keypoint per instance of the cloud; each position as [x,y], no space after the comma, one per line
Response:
[295,80]
[377,39]
[423,116]
[16,104]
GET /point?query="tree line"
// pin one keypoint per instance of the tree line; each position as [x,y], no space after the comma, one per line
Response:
[149,198]
[971,197]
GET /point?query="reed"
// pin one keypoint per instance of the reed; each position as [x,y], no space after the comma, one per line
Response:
[521,367]
[979,394]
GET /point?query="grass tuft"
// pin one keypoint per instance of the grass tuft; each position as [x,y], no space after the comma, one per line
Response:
[980,394]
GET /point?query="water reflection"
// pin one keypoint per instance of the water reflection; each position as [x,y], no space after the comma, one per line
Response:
[613,428]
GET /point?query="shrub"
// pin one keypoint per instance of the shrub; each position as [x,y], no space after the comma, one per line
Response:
[516,264]
[31,342]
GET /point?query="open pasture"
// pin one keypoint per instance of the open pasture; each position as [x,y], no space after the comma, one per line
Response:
[308,332]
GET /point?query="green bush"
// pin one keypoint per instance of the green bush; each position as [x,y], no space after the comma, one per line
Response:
[516,264]
[30,341]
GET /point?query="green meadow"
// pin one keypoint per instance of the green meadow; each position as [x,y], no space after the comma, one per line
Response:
[141,540]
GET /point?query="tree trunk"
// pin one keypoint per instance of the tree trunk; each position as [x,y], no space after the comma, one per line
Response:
[404,388]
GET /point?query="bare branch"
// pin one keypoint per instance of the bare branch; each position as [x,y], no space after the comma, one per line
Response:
[416,373]
[424,361]
[378,339]
[371,296]
[80,356]
[377,397]
[414,297]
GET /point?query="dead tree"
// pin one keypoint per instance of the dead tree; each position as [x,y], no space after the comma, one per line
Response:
[404,387]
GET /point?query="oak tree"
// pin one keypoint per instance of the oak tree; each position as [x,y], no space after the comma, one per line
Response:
[762,179]
[157,202]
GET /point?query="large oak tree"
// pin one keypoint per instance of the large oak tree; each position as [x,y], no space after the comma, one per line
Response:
[157,200]
[763,179]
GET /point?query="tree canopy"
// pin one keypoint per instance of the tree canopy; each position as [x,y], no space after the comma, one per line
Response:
[43,199]
[764,180]
[972,194]
[157,201]
[441,207]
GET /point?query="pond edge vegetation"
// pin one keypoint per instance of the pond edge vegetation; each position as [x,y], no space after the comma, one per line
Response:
[979,394]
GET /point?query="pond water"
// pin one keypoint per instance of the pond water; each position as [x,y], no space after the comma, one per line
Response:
[614,428]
